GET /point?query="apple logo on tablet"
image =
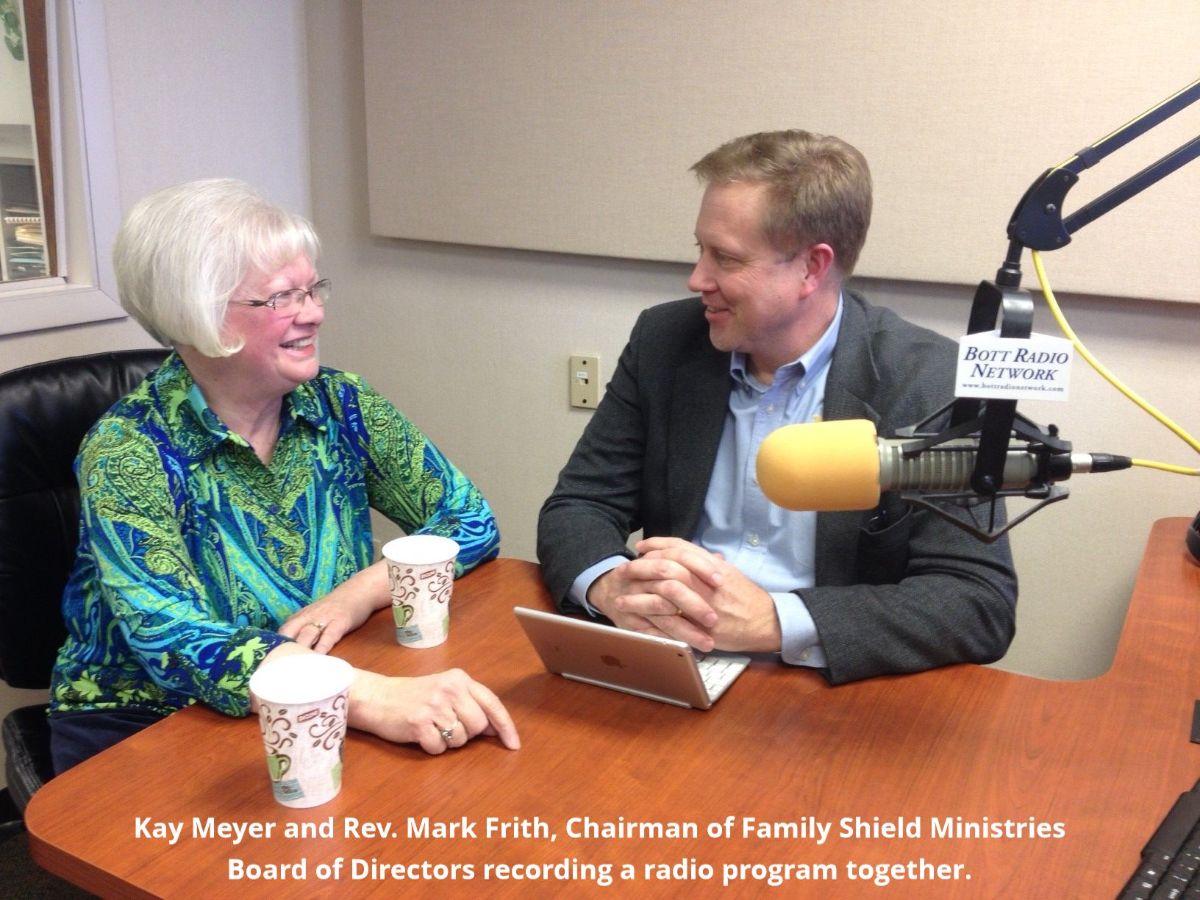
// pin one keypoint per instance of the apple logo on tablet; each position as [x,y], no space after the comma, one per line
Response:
[610,660]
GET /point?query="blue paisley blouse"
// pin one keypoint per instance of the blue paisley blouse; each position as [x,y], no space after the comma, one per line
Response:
[192,552]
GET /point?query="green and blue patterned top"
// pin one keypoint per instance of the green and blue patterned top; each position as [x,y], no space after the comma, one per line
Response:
[193,552]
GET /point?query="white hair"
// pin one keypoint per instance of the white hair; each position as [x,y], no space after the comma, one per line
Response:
[182,251]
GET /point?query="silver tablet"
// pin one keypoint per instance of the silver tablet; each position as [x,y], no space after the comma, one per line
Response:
[657,668]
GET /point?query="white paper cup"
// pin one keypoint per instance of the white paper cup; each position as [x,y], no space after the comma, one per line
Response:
[421,575]
[302,706]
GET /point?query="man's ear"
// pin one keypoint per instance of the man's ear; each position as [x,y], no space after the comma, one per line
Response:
[820,259]
[819,265]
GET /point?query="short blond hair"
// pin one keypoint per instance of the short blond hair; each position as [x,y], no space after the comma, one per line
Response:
[182,251]
[819,188]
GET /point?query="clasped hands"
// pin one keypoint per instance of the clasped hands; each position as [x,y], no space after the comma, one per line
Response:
[679,589]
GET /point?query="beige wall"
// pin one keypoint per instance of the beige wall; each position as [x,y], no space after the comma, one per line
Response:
[609,99]
[473,343]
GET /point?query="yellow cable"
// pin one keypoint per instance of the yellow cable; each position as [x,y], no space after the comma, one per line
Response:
[1164,467]
[1111,378]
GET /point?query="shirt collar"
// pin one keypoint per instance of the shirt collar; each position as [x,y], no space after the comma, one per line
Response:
[176,383]
[810,361]
[302,404]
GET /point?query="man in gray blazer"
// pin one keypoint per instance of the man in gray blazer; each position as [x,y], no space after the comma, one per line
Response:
[773,338]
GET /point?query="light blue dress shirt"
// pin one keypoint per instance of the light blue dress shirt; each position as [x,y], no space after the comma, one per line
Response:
[772,546]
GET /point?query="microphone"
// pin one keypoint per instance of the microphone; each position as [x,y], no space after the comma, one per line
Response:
[845,465]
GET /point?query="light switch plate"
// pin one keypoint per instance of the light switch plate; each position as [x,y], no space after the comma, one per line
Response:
[584,377]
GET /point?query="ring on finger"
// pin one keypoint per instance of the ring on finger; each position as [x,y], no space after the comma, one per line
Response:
[448,733]
[320,626]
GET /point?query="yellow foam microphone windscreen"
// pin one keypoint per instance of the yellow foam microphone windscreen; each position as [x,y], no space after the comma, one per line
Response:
[821,465]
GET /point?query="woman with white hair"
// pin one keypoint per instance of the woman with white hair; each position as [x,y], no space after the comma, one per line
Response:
[225,501]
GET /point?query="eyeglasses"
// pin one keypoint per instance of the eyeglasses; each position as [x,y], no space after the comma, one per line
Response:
[291,301]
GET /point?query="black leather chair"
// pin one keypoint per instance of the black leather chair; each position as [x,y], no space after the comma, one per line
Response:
[45,410]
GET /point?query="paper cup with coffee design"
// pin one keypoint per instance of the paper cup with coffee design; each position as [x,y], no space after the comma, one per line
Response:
[421,576]
[303,702]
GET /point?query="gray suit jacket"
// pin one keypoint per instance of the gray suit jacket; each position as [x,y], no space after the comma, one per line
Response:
[917,594]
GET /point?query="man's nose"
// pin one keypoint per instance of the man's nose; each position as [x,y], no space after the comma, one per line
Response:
[700,280]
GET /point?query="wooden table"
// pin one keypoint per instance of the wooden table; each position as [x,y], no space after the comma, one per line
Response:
[825,789]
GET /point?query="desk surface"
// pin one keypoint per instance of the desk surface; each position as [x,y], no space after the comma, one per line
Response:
[1066,779]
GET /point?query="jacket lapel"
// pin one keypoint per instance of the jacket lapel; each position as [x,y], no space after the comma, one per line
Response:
[699,401]
[853,376]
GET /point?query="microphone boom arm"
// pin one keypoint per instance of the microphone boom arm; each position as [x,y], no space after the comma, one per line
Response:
[1036,223]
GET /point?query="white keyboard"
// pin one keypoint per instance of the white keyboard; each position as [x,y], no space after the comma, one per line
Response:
[718,670]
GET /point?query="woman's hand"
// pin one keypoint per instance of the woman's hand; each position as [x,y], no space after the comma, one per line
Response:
[321,624]
[439,712]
